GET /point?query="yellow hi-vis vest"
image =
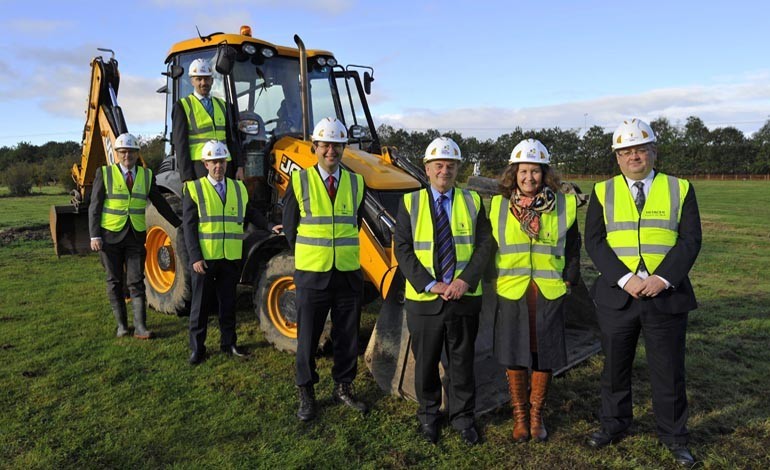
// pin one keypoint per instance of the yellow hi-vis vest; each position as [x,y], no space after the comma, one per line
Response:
[120,205]
[519,258]
[327,235]
[220,225]
[200,126]
[465,211]
[649,235]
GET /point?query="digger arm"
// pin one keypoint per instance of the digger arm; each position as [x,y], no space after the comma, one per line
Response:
[104,122]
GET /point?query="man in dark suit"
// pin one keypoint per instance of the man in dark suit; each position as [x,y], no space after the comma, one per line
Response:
[321,219]
[214,211]
[643,233]
[198,118]
[443,244]
[118,229]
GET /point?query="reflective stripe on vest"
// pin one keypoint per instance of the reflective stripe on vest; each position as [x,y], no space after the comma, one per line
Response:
[220,225]
[327,235]
[201,128]
[465,211]
[649,235]
[120,205]
[519,258]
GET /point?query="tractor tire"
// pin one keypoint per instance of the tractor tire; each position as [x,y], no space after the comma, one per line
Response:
[167,275]
[274,301]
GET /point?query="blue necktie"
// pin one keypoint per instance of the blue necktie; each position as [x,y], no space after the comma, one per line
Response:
[207,105]
[445,243]
[221,190]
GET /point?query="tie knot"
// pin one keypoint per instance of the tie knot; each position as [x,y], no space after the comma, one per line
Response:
[639,185]
[442,198]
[330,179]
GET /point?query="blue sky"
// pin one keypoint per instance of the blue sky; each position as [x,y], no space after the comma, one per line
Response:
[481,68]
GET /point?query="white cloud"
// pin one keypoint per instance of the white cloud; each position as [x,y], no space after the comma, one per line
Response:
[742,105]
[37,26]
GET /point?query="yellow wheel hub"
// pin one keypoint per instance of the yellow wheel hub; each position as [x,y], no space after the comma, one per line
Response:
[280,295]
[160,268]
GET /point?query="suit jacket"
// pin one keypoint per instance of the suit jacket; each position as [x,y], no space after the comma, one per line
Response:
[190,220]
[291,216]
[180,139]
[675,267]
[99,193]
[419,276]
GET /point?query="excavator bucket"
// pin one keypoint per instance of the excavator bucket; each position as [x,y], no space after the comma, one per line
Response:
[69,230]
[391,362]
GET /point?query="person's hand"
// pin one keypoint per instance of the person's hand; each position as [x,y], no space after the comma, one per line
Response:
[277,228]
[456,289]
[96,245]
[439,288]
[239,174]
[634,286]
[200,266]
[652,286]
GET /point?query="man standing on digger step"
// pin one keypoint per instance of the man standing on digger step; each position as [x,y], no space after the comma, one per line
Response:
[198,118]
[321,219]
[118,229]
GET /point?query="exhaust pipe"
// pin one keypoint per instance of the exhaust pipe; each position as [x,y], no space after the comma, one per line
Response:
[304,92]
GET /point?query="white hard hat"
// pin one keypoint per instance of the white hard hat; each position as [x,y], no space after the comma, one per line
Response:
[126,141]
[632,132]
[215,150]
[200,68]
[442,148]
[329,129]
[530,151]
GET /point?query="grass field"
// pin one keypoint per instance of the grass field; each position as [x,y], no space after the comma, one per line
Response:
[73,396]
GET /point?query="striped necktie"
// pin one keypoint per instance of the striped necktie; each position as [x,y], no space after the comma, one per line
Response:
[445,243]
[640,198]
[208,106]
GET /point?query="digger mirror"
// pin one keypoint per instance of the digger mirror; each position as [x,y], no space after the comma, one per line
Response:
[368,79]
[357,132]
[176,71]
[225,59]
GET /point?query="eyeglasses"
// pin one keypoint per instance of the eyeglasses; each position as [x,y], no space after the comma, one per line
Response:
[324,147]
[627,153]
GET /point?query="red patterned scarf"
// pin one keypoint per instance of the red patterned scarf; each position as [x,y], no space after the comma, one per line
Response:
[527,209]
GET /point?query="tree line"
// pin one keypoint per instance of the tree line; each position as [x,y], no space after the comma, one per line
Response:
[687,150]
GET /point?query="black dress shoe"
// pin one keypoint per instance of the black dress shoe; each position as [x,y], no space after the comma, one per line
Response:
[470,435]
[682,455]
[429,432]
[196,358]
[307,406]
[234,350]
[343,393]
[599,439]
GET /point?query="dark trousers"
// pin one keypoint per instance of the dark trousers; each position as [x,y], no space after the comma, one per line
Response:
[664,340]
[126,256]
[313,306]
[220,281]
[454,334]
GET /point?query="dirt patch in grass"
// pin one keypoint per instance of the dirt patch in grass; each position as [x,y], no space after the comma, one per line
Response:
[35,232]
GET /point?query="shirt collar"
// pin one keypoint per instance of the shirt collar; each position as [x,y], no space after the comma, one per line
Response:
[200,97]
[647,180]
[436,194]
[214,182]
[325,175]
[125,170]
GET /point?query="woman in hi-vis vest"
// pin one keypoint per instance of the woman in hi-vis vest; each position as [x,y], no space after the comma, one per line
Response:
[538,258]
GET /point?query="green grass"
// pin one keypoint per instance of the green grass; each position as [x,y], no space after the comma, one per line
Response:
[30,210]
[73,396]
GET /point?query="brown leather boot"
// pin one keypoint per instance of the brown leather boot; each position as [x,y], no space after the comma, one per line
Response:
[540,381]
[517,386]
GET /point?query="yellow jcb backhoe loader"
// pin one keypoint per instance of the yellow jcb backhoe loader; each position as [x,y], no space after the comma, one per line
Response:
[273,95]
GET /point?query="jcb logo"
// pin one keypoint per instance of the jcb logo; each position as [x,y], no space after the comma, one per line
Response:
[108,147]
[287,165]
